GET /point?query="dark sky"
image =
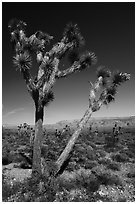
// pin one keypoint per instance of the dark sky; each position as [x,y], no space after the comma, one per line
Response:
[109,31]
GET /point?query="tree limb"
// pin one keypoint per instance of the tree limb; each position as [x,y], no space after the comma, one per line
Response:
[85,61]
[93,106]
[68,149]
[48,84]
[29,82]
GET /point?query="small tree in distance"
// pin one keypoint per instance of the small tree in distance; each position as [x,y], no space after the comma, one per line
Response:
[40,88]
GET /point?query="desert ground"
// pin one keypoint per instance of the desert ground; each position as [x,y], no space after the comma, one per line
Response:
[98,169]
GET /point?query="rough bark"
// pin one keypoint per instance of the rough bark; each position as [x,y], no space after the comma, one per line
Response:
[36,166]
[68,149]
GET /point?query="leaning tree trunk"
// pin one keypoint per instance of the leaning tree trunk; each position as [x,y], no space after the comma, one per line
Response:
[68,149]
[36,166]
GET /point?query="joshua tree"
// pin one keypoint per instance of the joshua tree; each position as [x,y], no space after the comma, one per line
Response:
[106,85]
[40,86]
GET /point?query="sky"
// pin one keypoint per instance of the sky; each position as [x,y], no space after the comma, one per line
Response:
[109,31]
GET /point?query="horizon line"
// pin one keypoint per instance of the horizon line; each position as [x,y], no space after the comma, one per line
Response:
[73,120]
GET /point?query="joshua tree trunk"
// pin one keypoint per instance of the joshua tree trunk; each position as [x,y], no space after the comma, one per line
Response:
[36,167]
[68,149]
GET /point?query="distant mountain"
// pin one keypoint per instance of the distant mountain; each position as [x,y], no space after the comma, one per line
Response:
[73,123]
[98,120]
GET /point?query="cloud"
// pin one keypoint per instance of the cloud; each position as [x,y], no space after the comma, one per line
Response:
[13,111]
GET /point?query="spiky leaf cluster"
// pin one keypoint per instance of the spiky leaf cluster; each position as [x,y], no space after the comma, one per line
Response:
[48,98]
[119,78]
[17,31]
[36,42]
[15,24]
[87,59]
[110,96]
[22,61]
[72,34]
[103,72]
[110,83]
[15,37]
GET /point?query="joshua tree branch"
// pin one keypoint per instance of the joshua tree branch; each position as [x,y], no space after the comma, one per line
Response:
[48,84]
[94,89]
[57,51]
[68,149]
[85,61]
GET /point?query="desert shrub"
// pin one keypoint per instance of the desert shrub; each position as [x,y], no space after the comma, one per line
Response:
[79,148]
[90,153]
[75,195]
[97,170]
[101,153]
[86,179]
[24,165]
[5,149]
[81,178]
[51,155]
[17,158]
[10,189]
[6,160]
[114,166]
[104,161]
[129,152]
[66,181]
[90,164]
[131,174]
[71,166]
[114,180]
[120,157]
[34,190]
[92,144]
[105,176]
